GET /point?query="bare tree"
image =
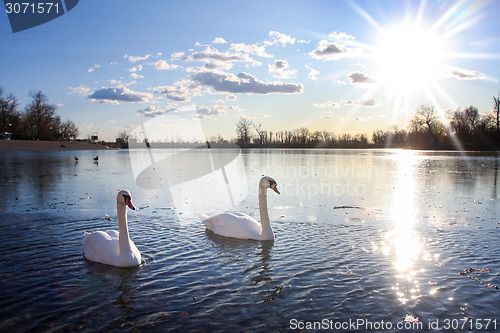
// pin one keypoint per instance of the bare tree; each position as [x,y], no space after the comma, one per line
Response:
[243,128]
[261,133]
[40,117]
[303,135]
[379,137]
[68,130]
[426,120]
[472,116]
[465,123]
[9,116]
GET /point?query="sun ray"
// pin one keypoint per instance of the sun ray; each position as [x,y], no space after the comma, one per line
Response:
[368,18]
[441,114]
[414,58]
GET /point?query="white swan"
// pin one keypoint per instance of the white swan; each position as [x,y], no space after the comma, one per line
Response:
[240,225]
[112,247]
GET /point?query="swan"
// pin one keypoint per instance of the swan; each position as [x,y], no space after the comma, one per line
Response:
[240,225]
[111,247]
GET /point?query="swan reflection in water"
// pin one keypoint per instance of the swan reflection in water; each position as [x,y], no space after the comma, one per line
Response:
[259,266]
[100,279]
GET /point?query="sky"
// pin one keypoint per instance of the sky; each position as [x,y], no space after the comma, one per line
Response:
[342,66]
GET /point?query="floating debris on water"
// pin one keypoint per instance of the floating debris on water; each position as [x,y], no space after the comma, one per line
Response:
[482,270]
[411,319]
[348,207]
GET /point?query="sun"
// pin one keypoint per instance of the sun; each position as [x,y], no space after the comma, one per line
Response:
[408,58]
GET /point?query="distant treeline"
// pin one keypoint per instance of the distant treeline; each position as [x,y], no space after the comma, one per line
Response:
[467,130]
[39,120]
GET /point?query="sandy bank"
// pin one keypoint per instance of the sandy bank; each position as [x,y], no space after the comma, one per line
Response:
[47,145]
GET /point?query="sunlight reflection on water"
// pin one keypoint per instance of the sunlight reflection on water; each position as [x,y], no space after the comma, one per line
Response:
[403,240]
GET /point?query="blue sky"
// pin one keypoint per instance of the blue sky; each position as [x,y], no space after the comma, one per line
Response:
[341,66]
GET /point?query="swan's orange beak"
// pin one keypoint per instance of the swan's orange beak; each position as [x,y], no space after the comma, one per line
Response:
[128,201]
[275,188]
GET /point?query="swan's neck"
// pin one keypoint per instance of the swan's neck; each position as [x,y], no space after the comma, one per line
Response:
[267,231]
[123,239]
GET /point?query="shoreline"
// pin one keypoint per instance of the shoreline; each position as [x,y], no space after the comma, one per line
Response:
[27,145]
[41,145]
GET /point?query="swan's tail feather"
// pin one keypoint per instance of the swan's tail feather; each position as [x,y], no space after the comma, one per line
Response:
[85,235]
[203,216]
[206,219]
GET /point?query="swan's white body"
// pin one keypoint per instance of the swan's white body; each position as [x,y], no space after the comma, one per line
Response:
[243,226]
[112,247]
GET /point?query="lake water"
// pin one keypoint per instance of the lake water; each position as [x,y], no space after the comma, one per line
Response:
[365,240]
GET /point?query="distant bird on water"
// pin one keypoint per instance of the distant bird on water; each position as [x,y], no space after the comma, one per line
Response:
[96,158]
[76,159]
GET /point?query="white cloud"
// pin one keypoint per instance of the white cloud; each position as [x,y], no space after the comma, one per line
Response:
[329,51]
[162,64]
[243,83]
[154,110]
[357,78]
[80,90]
[466,75]
[136,76]
[136,58]
[215,110]
[328,104]
[340,36]
[368,103]
[219,40]
[177,55]
[137,68]
[210,54]
[279,38]
[262,115]
[313,73]
[175,93]
[253,48]
[279,70]
[93,68]
[119,94]
[181,91]
[211,66]
[339,48]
